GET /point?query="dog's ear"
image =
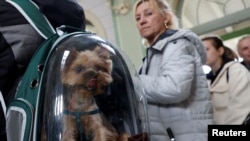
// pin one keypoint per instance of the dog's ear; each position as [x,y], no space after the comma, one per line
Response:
[102,52]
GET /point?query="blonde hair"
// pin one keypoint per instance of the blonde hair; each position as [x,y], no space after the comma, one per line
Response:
[163,7]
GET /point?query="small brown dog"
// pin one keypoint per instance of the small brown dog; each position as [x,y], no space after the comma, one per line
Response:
[85,74]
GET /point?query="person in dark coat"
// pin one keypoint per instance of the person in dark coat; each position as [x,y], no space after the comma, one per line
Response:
[19,40]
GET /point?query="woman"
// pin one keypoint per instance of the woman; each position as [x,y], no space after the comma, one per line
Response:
[229,83]
[172,76]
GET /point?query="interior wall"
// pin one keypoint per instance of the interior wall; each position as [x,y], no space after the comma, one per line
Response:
[117,28]
[100,15]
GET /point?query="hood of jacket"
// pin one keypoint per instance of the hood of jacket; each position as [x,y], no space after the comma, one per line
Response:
[187,34]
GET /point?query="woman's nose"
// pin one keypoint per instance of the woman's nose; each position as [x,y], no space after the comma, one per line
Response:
[142,20]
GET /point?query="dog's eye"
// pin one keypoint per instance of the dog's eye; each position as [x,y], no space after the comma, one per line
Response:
[79,69]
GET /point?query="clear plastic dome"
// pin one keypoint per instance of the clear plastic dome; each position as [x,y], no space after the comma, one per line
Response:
[90,91]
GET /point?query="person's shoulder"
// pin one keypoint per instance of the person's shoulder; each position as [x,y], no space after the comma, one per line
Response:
[235,64]
[187,33]
[237,67]
[181,35]
[180,42]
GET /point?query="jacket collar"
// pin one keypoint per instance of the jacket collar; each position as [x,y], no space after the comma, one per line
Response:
[221,72]
[212,77]
[161,39]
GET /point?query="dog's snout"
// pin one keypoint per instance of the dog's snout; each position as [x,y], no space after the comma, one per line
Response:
[90,74]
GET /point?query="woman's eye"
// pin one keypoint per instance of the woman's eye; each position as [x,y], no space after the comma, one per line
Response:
[149,13]
[137,18]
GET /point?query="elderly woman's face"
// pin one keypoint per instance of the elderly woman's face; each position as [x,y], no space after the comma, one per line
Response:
[149,22]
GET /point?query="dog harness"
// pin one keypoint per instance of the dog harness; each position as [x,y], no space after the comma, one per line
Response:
[78,115]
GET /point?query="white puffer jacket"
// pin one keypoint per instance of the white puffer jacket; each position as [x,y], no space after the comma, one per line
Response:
[176,88]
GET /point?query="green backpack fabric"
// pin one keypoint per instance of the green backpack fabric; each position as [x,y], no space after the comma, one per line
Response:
[21,111]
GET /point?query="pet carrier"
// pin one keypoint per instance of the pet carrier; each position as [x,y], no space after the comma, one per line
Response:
[90,91]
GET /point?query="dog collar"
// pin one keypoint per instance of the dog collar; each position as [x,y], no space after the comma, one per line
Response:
[79,114]
[82,135]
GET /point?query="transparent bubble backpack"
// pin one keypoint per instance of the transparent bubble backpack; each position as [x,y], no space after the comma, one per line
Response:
[85,89]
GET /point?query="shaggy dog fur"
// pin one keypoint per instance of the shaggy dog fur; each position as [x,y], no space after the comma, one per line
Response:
[84,75]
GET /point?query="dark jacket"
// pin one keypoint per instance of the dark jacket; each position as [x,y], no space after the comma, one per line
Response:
[58,12]
[248,67]
[18,40]
[66,12]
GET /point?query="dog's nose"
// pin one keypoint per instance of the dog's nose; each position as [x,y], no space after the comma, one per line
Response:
[90,74]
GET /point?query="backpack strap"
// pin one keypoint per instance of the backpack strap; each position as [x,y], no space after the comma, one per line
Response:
[2,104]
[227,75]
[32,14]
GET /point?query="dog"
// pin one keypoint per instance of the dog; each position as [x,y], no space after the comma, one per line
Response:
[86,74]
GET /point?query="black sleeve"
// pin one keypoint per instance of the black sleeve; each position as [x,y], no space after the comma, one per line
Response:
[9,70]
[9,15]
[63,12]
